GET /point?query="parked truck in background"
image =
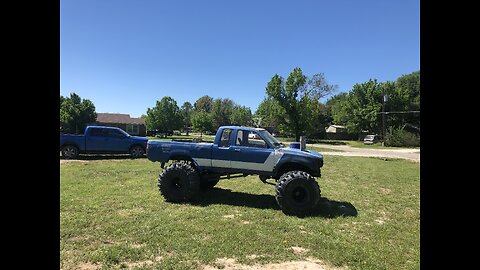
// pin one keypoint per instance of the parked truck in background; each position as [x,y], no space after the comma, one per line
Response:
[102,140]
[238,152]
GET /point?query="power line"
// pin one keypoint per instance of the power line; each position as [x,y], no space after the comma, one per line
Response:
[399,112]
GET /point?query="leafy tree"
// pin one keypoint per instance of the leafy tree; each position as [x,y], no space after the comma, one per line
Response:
[361,107]
[407,88]
[186,112]
[204,103]
[270,113]
[202,121]
[295,96]
[164,116]
[241,116]
[221,112]
[76,113]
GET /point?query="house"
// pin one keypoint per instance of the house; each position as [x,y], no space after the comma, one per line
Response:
[337,132]
[133,126]
[336,129]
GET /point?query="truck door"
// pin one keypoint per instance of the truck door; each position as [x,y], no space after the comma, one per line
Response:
[251,153]
[95,140]
[117,141]
[222,153]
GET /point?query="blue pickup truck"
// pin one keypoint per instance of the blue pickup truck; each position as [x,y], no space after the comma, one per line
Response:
[102,140]
[238,152]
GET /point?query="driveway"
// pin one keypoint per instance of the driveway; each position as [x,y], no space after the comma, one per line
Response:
[404,153]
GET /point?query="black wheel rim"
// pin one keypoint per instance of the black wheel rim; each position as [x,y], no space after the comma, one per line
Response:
[176,183]
[299,195]
[69,152]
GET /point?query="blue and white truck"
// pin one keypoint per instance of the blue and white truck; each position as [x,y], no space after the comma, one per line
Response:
[239,151]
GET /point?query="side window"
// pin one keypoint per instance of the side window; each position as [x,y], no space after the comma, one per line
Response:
[225,138]
[96,132]
[115,133]
[249,139]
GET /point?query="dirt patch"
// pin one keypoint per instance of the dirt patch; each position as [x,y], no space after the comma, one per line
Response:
[88,266]
[385,190]
[309,264]
[381,220]
[299,250]
[143,263]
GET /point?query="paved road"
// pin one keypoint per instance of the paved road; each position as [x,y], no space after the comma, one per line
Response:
[404,153]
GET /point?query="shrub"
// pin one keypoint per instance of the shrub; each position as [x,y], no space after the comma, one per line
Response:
[401,137]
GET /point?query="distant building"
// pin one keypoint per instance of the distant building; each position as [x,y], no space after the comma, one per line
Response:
[337,132]
[336,129]
[133,126]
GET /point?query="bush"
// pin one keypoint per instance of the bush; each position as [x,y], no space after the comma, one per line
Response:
[400,137]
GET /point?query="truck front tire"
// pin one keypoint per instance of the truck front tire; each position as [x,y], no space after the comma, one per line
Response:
[179,182]
[297,193]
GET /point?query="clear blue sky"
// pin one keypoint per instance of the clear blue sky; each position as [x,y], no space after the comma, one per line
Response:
[125,55]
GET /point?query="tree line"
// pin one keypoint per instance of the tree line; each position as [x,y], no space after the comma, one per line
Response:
[205,115]
[291,106]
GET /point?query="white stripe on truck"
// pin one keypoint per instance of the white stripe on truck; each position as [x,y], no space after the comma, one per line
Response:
[266,166]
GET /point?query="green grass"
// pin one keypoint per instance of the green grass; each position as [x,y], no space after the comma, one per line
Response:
[112,215]
[321,149]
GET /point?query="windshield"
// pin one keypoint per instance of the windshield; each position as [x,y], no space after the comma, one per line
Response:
[269,138]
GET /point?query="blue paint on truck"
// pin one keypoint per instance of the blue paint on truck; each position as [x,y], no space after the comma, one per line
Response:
[238,150]
[102,140]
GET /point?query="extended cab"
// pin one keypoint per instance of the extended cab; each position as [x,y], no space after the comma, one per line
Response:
[235,152]
[102,140]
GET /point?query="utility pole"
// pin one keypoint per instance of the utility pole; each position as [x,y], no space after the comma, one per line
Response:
[383,116]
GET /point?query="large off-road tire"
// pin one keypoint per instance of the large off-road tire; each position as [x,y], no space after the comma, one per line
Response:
[209,182]
[69,151]
[179,182]
[137,151]
[297,193]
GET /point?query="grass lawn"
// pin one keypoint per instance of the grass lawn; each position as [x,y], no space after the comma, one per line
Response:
[112,216]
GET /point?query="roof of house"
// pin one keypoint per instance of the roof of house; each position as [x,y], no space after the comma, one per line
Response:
[118,118]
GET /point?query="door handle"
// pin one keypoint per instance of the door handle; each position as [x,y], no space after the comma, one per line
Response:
[237,150]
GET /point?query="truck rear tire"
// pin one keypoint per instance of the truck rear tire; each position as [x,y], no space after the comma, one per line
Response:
[297,193]
[137,151]
[179,182]
[69,151]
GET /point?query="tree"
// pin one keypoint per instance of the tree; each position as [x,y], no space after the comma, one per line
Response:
[241,116]
[186,112]
[295,95]
[204,104]
[360,109]
[221,112]
[270,114]
[76,113]
[164,116]
[202,121]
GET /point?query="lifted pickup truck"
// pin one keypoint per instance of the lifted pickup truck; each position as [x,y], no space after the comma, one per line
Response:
[235,152]
[102,140]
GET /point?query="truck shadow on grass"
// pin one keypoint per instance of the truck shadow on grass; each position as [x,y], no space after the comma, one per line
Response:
[326,208]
